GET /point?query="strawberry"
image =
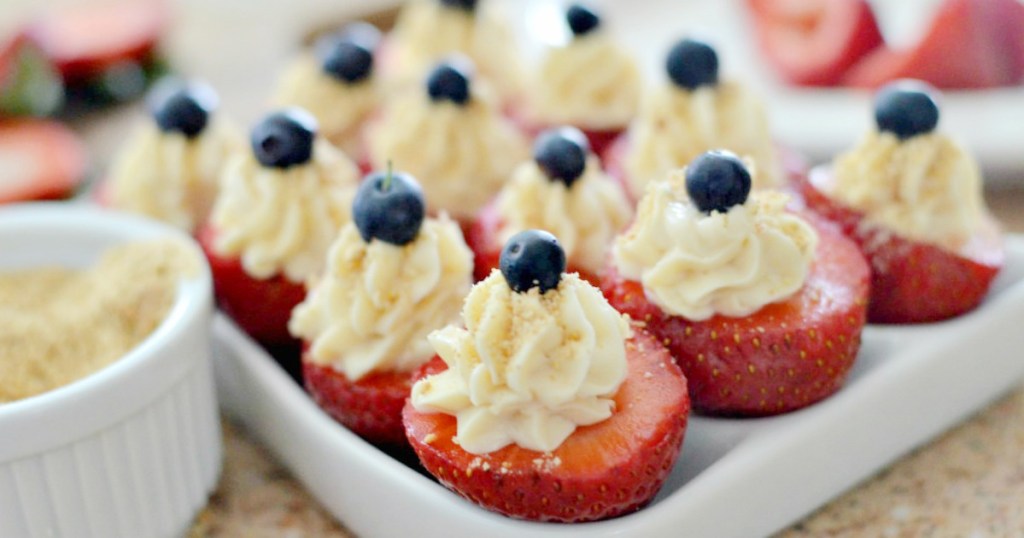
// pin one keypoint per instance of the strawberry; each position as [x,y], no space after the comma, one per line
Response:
[260,307]
[371,407]
[601,471]
[41,160]
[84,41]
[482,238]
[813,42]
[785,356]
[969,44]
[599,139]
[911,281]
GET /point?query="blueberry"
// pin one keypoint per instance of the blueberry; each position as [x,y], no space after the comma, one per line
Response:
[582,20]
[450,80]
[532,258]
[389,206]
[465,5]
[562,154]
[717,181]
[284,138]
[183,107]
[346,58]
[906,108]
[692,64]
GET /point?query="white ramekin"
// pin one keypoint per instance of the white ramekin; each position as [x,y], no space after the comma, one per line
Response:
[133,450]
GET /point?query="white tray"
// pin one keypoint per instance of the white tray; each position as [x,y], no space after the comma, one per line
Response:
[735,477]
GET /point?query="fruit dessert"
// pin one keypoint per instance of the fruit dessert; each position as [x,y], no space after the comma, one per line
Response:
[911,197]
[761,307]
[695,112]
[591,83]
[169,170]
[428,31]
[392,277]
[336,84]
[547,405]
[563,190]
[451,136]
[279,208]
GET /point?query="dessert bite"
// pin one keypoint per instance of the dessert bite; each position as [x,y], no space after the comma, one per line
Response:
[695,112]
[911,197]
[562,189]
[762,308]
[169,170]
[392,277]
[280,206]
[451,136]
[336,83]
[591,83]
[548,405]
[427,31]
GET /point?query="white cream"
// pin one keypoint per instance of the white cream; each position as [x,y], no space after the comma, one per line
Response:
[675,126]
[282,221]
[697,265]
[528,368]
[170,177]
[373,308]
[585,217]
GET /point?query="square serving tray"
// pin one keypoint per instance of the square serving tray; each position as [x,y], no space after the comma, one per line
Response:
[735,477]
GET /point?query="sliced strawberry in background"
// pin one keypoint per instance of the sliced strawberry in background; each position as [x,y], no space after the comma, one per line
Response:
[84,41]
[29,83]
[814,42]
[39,160]
[969,44]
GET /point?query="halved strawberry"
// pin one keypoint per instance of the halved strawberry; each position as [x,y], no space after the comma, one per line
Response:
[911,281]
[83,41]
[371,407]
[599,139]
[601,471]
[261,308]
[813,42]
[969,44]
[39,160]
[482,239]
[783,357]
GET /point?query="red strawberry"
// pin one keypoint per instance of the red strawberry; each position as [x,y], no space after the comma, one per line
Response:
[482,238]
[969,44]
[599,139]
[84,41]
[813,42]
[41,160]
[260,307]
[911,281]
[370,407]
[601,471]
[784,356]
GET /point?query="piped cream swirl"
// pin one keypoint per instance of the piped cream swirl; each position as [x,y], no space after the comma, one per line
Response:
[170,177]
[697,265]
[675,126]
[283,220]
[374,306]
[585,217]
[926,188]
[528,368]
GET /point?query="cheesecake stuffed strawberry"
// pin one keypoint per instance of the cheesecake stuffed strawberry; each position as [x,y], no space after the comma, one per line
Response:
[547,405]
[169,170]
[392,277]
[696,111]
[591,82]
[911,197]
[762,308]
[280,206]
[562,190]
[449,134]
[336,84]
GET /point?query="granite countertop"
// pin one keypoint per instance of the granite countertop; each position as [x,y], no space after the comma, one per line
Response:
[968,482]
